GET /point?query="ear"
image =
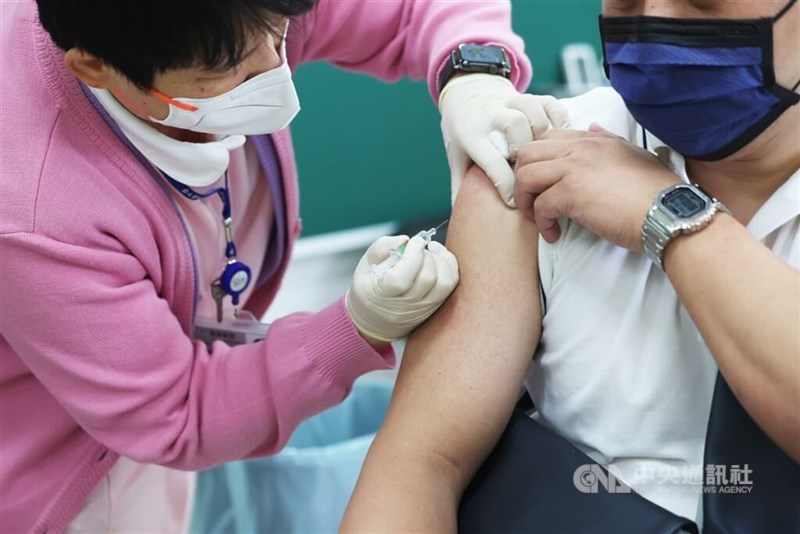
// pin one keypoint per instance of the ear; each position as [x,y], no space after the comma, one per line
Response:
[90,69]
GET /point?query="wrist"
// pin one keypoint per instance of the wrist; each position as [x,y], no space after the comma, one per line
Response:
[375,341]
[686,245]
[377,344]
[677,210]
[467,78]
[474,58]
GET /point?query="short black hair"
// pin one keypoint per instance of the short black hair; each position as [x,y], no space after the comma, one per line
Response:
[141,38]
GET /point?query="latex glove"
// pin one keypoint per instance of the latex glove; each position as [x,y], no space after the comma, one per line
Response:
[478,107]
[389,308]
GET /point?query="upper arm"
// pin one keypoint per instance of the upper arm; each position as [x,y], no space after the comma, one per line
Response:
[407,37]
[463,369]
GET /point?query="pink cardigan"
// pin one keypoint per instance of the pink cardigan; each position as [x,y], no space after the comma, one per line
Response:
[98,281]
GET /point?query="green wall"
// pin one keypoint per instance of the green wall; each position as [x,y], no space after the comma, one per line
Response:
[371,152]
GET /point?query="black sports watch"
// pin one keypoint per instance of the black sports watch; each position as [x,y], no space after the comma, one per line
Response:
[476,58]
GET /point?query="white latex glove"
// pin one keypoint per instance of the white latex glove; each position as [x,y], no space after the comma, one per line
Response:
[388,308]
[480,112]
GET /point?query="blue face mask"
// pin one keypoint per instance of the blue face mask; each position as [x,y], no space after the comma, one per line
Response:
[705,87]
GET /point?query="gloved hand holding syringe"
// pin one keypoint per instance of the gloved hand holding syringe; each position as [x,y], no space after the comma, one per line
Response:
[396,253]
[398,283]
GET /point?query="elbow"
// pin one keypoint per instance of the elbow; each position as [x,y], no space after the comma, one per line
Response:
[790,441]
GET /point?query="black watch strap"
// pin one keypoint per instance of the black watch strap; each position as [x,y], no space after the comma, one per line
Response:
[488,59]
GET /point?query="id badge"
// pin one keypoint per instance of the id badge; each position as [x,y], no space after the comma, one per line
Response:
[244,328]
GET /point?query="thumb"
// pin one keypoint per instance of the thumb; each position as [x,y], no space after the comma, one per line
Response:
[543,112]
[488,158]
[379,250]
[556,112]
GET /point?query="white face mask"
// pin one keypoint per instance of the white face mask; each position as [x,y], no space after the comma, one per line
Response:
[263,104]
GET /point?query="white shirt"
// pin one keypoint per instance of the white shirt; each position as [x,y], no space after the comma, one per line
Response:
[138,498]
[622,371]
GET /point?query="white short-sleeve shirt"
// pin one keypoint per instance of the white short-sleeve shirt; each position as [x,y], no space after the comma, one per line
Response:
[621,370]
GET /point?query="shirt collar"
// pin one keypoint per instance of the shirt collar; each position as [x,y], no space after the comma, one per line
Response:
[192,164]
[780,208]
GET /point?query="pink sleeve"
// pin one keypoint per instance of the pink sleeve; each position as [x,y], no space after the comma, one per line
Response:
[413,38]
[90,325]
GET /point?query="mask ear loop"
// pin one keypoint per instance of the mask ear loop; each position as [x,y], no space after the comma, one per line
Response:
[783,11]
[178,104]
[777,17]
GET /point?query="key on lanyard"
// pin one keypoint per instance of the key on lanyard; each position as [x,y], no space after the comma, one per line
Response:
[217,293]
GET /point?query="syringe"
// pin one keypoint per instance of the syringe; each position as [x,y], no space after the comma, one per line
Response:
[395,254]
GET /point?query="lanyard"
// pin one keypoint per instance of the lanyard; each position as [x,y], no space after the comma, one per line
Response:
[236,275]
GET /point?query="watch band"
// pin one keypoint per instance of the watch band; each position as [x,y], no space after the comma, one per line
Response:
[456,62]
[659,229]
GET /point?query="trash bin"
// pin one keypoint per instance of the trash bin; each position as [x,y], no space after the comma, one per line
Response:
[304,489]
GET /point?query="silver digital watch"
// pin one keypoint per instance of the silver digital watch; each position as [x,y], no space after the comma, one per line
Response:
[678,209]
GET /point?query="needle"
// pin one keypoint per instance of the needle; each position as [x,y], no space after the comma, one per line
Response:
[443,223]
[395,254]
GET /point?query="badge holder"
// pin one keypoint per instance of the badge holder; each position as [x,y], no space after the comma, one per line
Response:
[234,280]
[236,276]
[239,330]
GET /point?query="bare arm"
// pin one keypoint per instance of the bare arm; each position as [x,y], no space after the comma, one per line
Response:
[754,330]
[460,375]
[743,298]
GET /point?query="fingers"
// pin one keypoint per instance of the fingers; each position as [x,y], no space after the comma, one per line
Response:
[446,272]
[503,179]
[488,158]
[543,113]
[555,144]
[388,307]
[498,139]
[425,280]
[596,128]
[436,278]
[556,112]
[545,149]
[379,250]
[535,178]
[516,126]
[400,278]
[541,151]
[547,208]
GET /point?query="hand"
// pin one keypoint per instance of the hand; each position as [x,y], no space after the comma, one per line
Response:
[388,308]
[595,178]
[475,105]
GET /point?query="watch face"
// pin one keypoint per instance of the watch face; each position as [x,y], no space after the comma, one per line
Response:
[684,202]
[483,54]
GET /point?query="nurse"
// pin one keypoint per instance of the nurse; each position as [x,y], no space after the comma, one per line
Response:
[149,185]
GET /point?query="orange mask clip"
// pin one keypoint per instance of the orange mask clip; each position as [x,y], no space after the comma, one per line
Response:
[164,98]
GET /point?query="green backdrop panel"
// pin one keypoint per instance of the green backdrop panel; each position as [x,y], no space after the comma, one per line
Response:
[371,152]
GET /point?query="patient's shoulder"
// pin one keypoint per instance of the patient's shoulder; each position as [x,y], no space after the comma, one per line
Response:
[604,106]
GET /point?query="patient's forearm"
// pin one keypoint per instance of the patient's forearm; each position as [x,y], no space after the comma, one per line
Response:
[460,375]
